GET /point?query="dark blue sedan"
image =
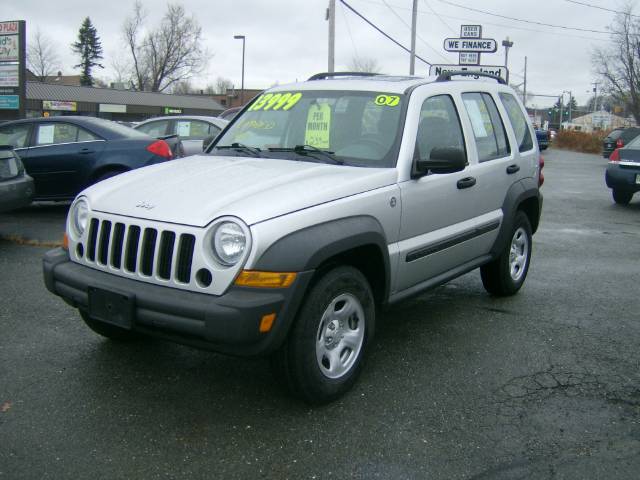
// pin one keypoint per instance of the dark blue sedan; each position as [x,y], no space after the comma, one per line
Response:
[66,154]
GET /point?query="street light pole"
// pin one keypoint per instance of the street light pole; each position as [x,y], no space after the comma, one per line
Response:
[507,44]
[241,37]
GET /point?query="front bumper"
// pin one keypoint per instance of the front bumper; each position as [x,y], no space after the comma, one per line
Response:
[16,193]
[227,323]
[622,177]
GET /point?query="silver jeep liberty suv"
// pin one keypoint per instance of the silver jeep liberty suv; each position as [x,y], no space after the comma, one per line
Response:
[320,203]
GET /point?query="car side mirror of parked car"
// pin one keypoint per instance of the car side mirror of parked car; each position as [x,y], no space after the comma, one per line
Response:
[441,160]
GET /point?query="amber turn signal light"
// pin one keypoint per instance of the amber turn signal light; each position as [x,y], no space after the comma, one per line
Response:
[267,322]
[251,278]
[65,241]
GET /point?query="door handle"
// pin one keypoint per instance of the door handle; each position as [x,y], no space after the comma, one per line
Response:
[86,151]
[512,169]
[466,182]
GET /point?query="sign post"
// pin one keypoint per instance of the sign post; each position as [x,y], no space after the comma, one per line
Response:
[13,71]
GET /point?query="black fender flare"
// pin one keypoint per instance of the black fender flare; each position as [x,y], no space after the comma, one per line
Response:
[518,193]
[308,248]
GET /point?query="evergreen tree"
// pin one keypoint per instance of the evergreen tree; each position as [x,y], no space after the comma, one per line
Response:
[89,48]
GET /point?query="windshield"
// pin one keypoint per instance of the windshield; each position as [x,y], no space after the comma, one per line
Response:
[350,127]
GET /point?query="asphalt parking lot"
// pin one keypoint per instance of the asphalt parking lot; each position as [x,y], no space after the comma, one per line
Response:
[459,385]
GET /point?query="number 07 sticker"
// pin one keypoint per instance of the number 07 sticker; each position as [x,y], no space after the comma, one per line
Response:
[276,101]
[387,100]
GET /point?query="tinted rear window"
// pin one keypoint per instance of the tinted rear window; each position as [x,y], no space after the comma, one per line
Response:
[614,135]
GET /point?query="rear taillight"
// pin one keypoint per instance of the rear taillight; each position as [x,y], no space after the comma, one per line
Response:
[160,148]
[615,156]
[619,143]
[540,174]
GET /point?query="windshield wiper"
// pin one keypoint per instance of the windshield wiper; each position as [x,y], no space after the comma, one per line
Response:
[241,147]
[309,150]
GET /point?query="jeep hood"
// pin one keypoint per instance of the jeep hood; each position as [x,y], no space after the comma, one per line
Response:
[196,190]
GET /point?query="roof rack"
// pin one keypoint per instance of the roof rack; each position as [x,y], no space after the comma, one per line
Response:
[325,75]
[446,76]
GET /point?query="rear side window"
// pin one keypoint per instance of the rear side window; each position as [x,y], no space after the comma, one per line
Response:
[439,126]
[488,130]
[155,129]
[15,135]
[55,133]
[518,122]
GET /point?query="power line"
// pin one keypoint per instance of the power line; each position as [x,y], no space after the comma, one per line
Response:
[601,8]
[381,31]
[355,50]
[439,17]
[409,27]
[546,32]
[521,19]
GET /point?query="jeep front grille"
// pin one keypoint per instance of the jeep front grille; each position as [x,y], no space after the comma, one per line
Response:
[144,251]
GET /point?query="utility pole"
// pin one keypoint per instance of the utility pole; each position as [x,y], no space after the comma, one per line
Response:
[570,102]
[595,96]
[524,96]
[414,16]
[331,16]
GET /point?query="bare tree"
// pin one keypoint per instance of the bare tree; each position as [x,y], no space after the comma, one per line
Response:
[42,57]
[364,64]
[167,54]
[183,87]
[222,84]
[619,63]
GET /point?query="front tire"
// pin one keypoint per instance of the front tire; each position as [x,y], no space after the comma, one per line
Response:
[323,354]
[621,197]
[107,330]
[505,275]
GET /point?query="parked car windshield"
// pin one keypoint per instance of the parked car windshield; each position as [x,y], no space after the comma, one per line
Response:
[350,127]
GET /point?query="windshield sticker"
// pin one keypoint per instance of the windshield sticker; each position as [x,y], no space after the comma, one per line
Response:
[318,126]
[387,100]
[276,101]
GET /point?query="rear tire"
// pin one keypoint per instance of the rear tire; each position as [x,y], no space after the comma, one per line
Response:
[107,330]
[324,351]
[505,275]
[621,197]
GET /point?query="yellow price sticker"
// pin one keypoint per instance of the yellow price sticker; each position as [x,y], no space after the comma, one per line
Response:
[318,127]
[276,101]
[387,100]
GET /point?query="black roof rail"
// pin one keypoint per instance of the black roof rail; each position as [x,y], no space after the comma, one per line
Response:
[446,76]
[325,75]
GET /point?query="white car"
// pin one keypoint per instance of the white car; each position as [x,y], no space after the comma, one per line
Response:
[192,131]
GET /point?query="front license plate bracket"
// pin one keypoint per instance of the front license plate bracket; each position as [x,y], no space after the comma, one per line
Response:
[111,307]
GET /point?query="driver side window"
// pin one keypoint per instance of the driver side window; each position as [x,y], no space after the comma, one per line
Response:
[439,127]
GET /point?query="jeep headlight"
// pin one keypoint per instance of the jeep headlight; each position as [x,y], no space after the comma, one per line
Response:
[229,242]
[78,217]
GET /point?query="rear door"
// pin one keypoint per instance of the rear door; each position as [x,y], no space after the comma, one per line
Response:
[59,158]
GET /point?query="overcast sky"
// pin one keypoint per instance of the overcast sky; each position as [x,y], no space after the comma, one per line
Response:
[287,39]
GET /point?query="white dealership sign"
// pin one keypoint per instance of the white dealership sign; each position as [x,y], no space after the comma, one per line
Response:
[487,45]
[490,69]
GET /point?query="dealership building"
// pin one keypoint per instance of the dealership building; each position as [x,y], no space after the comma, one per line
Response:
[47,99]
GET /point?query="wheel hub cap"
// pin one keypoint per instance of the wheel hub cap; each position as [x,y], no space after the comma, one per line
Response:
[340,336]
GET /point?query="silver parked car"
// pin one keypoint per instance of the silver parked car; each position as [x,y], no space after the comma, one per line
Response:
[193,131]
[16,187]
[323,202]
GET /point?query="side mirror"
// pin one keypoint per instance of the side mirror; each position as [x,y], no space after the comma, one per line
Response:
[442,160]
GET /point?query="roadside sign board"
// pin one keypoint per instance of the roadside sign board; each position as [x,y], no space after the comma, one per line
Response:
[9,102]
[9,76]
[471,31]
[9,48]
[469,58]
[491,69]
[485,45]
[59,105]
